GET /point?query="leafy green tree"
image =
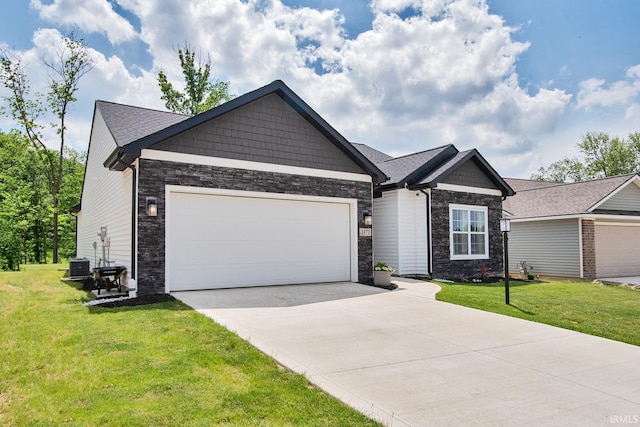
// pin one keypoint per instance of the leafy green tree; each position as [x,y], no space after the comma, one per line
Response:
[71,64]
[26,205]
[564,170]
[23,203]
[201,92]
[70,193]
[602,156]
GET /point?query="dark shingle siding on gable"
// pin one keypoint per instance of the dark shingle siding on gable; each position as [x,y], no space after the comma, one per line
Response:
[469,174]
[267,130]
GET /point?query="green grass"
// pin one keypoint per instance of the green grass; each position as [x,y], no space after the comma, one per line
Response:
[606,311]
[161,364]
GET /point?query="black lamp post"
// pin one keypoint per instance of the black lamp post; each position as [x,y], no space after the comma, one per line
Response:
[505,227]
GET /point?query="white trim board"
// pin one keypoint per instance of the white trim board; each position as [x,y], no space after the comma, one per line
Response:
[194,159]
[468,189]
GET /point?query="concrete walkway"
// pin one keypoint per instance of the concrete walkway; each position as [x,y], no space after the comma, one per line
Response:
[406,359]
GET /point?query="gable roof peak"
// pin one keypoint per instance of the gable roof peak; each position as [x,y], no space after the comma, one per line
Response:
[138,133]
[429,150]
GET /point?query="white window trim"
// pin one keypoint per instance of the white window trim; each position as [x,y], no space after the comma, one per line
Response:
[484,209]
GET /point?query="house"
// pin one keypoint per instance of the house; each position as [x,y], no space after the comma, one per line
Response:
[585,229]
[439,213]
[258,191]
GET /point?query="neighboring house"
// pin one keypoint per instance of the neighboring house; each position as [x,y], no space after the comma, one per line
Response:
[258,191]
[439,213]
[585,229]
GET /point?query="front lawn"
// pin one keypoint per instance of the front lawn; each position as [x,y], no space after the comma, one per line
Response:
[161,364]
[607,311]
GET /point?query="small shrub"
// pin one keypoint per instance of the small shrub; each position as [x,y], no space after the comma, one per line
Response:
[485,272]
[381,266]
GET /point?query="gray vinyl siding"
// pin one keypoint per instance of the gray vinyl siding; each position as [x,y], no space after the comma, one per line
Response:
[627,199]
[267,130]
[551,247]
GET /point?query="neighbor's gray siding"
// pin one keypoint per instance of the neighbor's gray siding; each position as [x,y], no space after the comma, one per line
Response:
[155,175]
[551,247]
[627,199]
[268,131]
[469,174]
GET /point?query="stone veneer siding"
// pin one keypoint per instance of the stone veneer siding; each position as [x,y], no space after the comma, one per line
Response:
[154,175]
[588,249]
[443,266]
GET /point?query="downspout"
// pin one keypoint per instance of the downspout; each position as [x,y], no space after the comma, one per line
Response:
[133,283]
[429,248]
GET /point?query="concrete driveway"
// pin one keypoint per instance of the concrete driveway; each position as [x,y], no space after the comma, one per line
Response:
[406,359]
[629,280]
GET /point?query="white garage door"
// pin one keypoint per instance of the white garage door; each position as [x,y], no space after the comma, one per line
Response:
[226,241]
[617,251]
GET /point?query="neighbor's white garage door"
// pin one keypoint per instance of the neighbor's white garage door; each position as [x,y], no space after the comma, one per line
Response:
[226,241]
[617,251]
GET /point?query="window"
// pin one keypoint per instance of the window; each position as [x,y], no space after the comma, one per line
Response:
[469,232]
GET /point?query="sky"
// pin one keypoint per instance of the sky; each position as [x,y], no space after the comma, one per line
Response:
[521,81]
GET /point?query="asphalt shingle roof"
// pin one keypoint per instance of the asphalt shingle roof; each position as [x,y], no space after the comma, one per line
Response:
[128,123]
[527,184]
[371,153]
[399,168]
[561,199]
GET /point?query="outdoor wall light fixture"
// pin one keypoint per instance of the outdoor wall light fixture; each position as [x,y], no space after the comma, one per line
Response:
[367,219]
[152,206]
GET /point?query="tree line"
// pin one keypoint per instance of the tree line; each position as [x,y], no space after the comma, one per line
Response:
[26,207]
[601,156]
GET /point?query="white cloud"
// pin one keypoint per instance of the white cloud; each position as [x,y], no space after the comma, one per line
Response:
[445,75]
[598,93]
[92,16]
[633,113]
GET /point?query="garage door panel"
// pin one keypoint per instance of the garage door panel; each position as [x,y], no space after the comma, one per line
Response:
[617,251]
[218,241]
[197,276]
